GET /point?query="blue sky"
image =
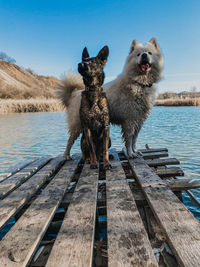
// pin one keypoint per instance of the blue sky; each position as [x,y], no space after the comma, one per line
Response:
[48,36]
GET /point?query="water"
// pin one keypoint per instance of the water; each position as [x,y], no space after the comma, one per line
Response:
[32,135]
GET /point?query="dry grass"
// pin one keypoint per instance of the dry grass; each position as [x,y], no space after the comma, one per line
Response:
[178,102]
[29,105]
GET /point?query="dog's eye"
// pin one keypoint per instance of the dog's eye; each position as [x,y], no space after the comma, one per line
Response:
[149,53]
[138,54]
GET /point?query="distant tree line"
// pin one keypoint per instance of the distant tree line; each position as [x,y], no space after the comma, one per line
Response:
[4,57]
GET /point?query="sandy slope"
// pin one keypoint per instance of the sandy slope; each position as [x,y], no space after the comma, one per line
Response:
[17,83]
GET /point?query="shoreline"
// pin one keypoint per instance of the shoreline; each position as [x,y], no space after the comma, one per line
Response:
[178,102]
[30,105]
[53,105]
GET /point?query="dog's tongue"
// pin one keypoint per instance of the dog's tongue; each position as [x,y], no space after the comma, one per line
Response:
[145,67]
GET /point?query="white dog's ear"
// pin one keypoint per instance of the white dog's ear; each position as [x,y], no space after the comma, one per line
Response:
[155,43]
[85,54]
[134,43]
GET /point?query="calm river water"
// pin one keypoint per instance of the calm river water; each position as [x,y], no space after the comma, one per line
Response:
[32,135]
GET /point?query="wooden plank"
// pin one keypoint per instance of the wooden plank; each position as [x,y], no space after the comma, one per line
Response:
[16,200]
[128,243]
[173,184]
[183,184]
[162,162]
[17,179]
[18,246]
[181,228]
[75,240]
[155,155]
[16,168]
[153,150]
[168,172]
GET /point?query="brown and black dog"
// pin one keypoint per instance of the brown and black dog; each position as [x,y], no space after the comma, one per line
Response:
[94,112]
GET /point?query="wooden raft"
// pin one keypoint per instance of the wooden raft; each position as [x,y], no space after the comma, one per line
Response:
[57,213]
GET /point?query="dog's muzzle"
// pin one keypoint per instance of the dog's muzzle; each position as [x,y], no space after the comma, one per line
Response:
[83,68]
[145,63]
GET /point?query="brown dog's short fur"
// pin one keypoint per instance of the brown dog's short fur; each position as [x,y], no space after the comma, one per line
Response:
[94,113]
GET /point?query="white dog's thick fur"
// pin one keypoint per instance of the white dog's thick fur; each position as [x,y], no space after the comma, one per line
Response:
[130,96]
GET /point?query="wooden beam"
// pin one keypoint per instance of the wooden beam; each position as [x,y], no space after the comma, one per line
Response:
[20,243]
[181,228]
[183,184]
[75,240]
[128,243]
[162,162]
[168,172]
[155,155]
[153,150]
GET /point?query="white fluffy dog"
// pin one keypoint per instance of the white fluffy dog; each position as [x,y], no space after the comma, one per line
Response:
[130,96]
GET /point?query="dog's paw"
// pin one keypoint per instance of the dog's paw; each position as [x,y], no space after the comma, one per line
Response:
[107,166]
[132,155]
[139,153]
[93,166]
[67,157]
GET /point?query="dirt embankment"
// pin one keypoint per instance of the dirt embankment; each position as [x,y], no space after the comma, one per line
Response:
[17,83]
[23,91]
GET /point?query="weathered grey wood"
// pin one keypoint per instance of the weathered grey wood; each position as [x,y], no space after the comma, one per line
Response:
[16,168]
[18,246]
[16,199]
[183,184]
[168,172]
[74,243]
[155,155]
[128,243]
[162,162]
[181,228]
[149,155]
[17,179]
[153,150]
[173,184]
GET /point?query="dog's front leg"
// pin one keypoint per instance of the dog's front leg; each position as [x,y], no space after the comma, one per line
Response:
[129,149]
[93,159]
[70,143]
[106,163]
[134,139]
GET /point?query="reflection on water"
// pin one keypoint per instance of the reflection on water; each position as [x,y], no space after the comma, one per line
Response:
[31,135]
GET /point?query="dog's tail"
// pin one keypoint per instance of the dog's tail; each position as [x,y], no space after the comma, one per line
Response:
[67,85]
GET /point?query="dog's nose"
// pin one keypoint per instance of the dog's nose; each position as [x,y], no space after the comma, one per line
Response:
[144,56]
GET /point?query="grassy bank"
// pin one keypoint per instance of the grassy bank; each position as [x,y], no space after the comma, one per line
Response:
[178,102]
[29,105]
[52,105]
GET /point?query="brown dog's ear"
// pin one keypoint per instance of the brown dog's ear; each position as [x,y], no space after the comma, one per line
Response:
[134,43]
[85,54]
[154,42]
[103,54]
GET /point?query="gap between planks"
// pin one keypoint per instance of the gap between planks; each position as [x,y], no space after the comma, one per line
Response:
[128,243]
[75,241]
